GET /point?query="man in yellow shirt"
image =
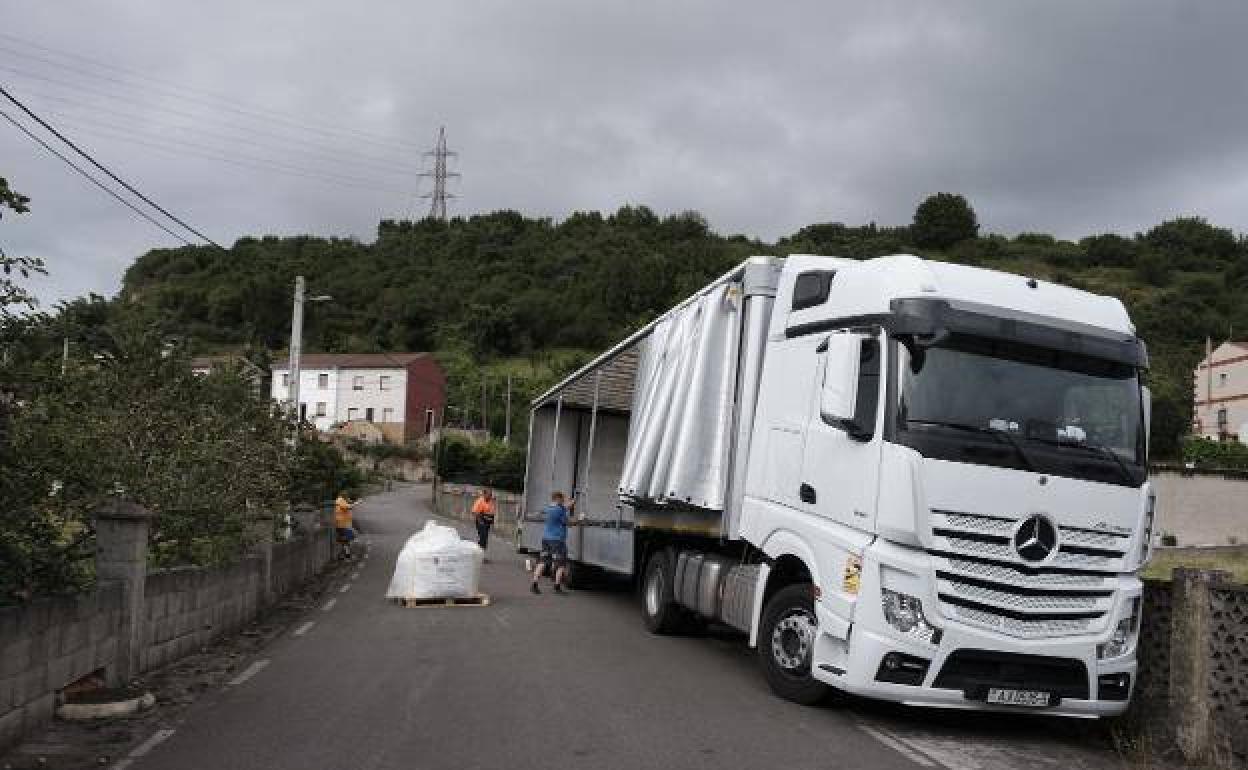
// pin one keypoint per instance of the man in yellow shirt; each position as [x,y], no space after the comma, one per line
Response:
[344,525]
[483,511]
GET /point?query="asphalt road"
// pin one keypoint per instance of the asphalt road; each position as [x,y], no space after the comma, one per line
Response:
[545,682]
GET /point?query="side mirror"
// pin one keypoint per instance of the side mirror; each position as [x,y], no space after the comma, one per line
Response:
[849,394]
[1146,401]
[839,392]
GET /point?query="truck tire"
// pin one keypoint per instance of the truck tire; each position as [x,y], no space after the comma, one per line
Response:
[658,606]
[786,642]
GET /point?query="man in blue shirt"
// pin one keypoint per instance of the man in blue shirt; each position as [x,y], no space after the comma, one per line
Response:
[554,556]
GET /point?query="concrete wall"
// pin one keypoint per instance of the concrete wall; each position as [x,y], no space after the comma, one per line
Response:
[1201,509]
[50,643]
[454,501]
[46,645]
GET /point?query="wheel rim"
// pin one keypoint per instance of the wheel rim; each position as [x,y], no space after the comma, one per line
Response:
[654,591]
[792,640]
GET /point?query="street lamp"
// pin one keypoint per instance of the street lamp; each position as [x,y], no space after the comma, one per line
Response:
[296,345]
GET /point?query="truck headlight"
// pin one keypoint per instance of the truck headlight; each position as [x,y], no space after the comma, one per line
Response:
[905,613]
[1124,635]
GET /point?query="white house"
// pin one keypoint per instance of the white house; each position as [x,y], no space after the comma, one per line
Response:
[1220,386]
[399,393]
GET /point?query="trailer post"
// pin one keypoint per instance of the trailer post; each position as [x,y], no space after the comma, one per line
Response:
[589,458]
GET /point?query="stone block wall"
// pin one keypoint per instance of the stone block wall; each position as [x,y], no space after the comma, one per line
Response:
[140,622]
[1192,686]
[187,607]
[47,644]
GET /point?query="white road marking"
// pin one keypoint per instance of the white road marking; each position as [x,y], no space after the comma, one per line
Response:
[143,748]
[345,588]
[897,746]
[329,605]
[301,630]
[249,672]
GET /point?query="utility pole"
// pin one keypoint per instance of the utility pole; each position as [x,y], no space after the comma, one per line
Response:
[507,422]
[296,351]
[437,198]
[296,346]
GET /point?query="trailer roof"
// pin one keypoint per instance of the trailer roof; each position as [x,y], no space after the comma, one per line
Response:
[621,370]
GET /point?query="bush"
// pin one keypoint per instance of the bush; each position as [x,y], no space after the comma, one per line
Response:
[1207,453]
[493,463]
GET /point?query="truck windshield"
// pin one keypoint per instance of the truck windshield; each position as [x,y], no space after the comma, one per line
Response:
[997,402]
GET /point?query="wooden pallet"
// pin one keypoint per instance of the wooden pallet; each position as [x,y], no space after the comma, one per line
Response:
[480,600]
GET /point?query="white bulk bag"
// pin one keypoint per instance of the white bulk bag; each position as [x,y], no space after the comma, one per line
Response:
[436,564]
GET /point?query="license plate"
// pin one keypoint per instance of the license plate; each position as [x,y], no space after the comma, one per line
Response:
[1032,698]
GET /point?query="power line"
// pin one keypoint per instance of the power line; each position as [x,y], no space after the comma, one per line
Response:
[102,167]
[205,97]
[182,148]
[317,151]
[90,178]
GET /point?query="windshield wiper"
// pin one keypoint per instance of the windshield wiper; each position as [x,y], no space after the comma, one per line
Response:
[1099,449]
[1013,442]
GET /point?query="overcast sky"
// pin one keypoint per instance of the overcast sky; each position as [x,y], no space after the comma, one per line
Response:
[1064,117]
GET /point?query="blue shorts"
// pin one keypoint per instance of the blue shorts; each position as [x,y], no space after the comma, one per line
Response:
[554,553]
[345,534]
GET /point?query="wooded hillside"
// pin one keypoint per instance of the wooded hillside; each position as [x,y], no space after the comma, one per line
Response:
[531,296]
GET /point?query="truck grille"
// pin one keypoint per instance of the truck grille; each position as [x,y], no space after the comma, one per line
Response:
[981,580]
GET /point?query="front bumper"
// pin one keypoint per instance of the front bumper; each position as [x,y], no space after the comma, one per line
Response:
[853,663]
[866,650]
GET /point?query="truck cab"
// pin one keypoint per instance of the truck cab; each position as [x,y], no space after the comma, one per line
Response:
[953,461]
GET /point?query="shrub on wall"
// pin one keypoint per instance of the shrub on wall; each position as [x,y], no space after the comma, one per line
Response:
[1207,453]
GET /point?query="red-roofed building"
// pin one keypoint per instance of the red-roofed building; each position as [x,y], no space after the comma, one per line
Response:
[1220,387]
[402,394]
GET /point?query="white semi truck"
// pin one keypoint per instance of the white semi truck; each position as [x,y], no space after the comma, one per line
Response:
[903,479]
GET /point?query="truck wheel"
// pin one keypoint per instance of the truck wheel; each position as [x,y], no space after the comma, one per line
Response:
[786,644]
[658,607]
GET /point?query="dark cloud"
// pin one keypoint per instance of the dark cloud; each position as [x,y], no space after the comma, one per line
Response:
[1067,117]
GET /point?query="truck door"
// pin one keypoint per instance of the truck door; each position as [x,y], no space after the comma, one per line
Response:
[840,471]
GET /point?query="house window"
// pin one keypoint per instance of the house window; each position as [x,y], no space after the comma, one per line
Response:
[353,414]
[357,383]
[1222,378]
[368,414]
[383,382]
[303,411]
[320,408]
[286,380]
[428,421]
[1221,418]
[387,414]
[322,381]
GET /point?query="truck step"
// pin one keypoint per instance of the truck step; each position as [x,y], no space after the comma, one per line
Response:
[480,600]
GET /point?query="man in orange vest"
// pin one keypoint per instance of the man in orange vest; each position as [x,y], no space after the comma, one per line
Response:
[483,511]
[344,524]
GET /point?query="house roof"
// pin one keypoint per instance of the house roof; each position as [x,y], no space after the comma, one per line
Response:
[350,361]
[208,362]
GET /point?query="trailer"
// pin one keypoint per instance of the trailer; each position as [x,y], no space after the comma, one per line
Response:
[899,478]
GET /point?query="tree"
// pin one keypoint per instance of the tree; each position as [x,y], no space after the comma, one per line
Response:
[942,220]
[1110,250]
[1191,243]
[12,293]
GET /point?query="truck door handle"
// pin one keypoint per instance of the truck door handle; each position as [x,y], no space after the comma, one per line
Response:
[807,493]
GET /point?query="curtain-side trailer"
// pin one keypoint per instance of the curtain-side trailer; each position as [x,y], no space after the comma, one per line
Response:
[903,479]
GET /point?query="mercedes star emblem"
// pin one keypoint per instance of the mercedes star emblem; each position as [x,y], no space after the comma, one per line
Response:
[1036,538]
